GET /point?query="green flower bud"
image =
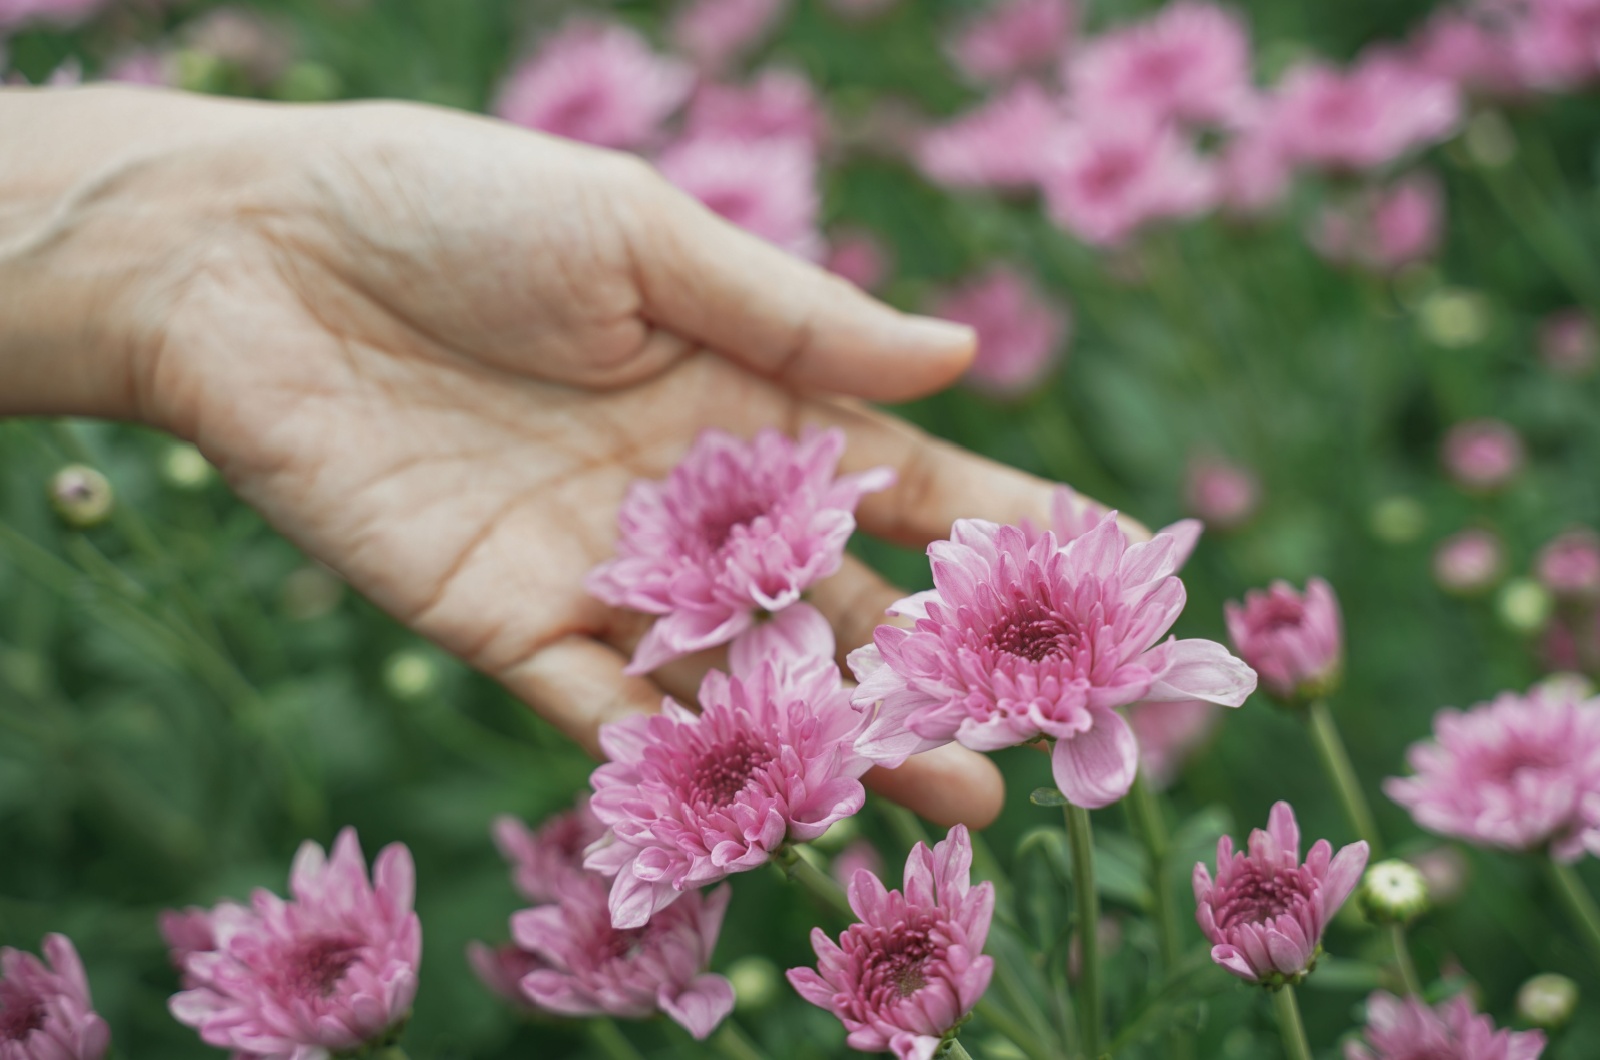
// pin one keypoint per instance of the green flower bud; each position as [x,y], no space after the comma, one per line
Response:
[1524,605]
[1393,892]
[410,675]
[184,468]
[755,982]
[1398,520]
[1547,1001]
[81,496]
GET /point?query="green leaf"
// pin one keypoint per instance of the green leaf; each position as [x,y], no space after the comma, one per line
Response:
[1048,797]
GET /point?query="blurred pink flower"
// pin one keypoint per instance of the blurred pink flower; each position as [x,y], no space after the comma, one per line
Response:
[860,257]
[62,12]
[691,798]
[543,860]
[1294,642]
[1023,639]
[45,1009]
[911,970]
[597,969]
[1266,912]
[1014,36]
[186,931]
[1072,515]
[1407,1029]
[1221,494]
[1445,869]
[778,103]
[333,969]
[1569,566]
[1468,562]
[1020,334]
[1511,773]
[1254,170]
[1106,179]
[597,82]
[1386,229]
[1572,642]
[1363,117]
[1557,42]
[766,186]
[859,856]
[1470,50]
[1001,144]
[737,528]
[259,49]
[1168,735]
[1189,62]
[1483,454]
[1568,344]
[716,32]
[141,68]
[502,968]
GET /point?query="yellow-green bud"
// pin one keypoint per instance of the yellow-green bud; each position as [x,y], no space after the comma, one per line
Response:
[410,675]
[81,496]
[1398,520]
[1524,605]
[184,468]
[1547,1001]
[755,982]
[1393,892]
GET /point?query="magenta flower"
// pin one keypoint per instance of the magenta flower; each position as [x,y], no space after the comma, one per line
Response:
[1468,562]
[597,82]
[1001,144]
[1265,912]
[1013,37]
[1294,642]
[1568,343]
[738,528]
[332,970]
[1386,229]
[543,861]
[1023,638]
[1512,773]
[502,969]
[1471,51]
[1407,1029]
[691,798]
[45,1009]
[905,977]
[767,187]
[860,257]
[1107,179]
[1020,334]
[1190,62]
[594,968]
[1569,566]
[778,103]
[1483,454]
[716,32]
[1168,735]
[1223,495]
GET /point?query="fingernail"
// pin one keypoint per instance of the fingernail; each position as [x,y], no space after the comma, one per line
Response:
[931,331]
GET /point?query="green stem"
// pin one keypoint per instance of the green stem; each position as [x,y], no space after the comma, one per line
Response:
[821,886]
[1336,760]
[1146,807]
[735,1044]
[1081,837]
[1579,902]
[957,1051]
[609,1039]
[1012,1028]
[1294,1032]
[1402,957]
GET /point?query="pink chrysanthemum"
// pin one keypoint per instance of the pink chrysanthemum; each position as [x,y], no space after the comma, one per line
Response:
[1469,562]
[1072,515]
[716,32]
[1512,773]
[187,931]
[332,970]
[1190,62]
[594,968]
[766,186]
[778,103]
[738,528]
[1013,37]
[1569,344]
[1484,454]
[543,861]
[1557,42]
[1265,912]
[1001,144]
[45,1010]
[1294,642]
[1169,734]
[60,12]
[691,798]
[1569,565]
[1105,180]
[1020,334]
[1386,229]
[1470,50]
[597,82]
[860,257]
[1222,494]
[905,976]
[1407,1029]
[1022,638]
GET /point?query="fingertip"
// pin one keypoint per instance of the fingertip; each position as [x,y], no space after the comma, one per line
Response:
[904,357]
[948,786]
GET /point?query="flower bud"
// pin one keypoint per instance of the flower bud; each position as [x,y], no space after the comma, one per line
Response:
[410,675]
[1454,318]
[1524,605]
[1294,641]
[1222,495]
[1393,892]
[184,468]
[1445,869]
[1547,1001]
[1569,566]
[755,982]
[1468,563]
[1568,343]
[1483,455]
[1398,520]
[81,496]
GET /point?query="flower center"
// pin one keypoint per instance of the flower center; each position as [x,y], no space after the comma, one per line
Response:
[1254,898]
[726,769]
[20,1015]
[1280,613]
[718,525]
[1034,634]
[314,967]
[894,962]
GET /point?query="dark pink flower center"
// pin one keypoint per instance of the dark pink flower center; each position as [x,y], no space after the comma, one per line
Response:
[724,771]
[893,962]
[576,113]
[1034,633]
[1160,66]
[1502,765]
[314,966]
[1112,169]
[1255,897]
[614,945]
[1279,613]
[735,204]
[21,1014]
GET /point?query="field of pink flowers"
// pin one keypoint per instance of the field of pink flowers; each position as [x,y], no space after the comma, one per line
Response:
[1314,767]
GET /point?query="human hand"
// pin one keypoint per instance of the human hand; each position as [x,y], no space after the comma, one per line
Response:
[433,350]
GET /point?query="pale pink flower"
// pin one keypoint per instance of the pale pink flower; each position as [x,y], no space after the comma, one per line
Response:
[1001,144]
[1366,116]
[778,103]
[1568,344]
[716,32]
[1557,42]
[61,12]
[766,186]
[1511,773]
[1294,642]
[1221,494]
[1014,36]
[502,968]
[1190,62]
[1386,229]
[187,931]
[141,68]
[1468,562]
[1254,170]
[860,257]
[1020,333]
[1407,1029]
[596,969]
[691,798]
[911,970]
[45,1009]
[1169,734]
[1569,566]
[543,860]
[859,856]
[738,528]
[334,969]
[1105,180]
[1468,49]
[1483,454]
[1072,515]
[598,82]
[1023,639]
[1265,912]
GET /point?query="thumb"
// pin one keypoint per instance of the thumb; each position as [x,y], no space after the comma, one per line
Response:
[780,316]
